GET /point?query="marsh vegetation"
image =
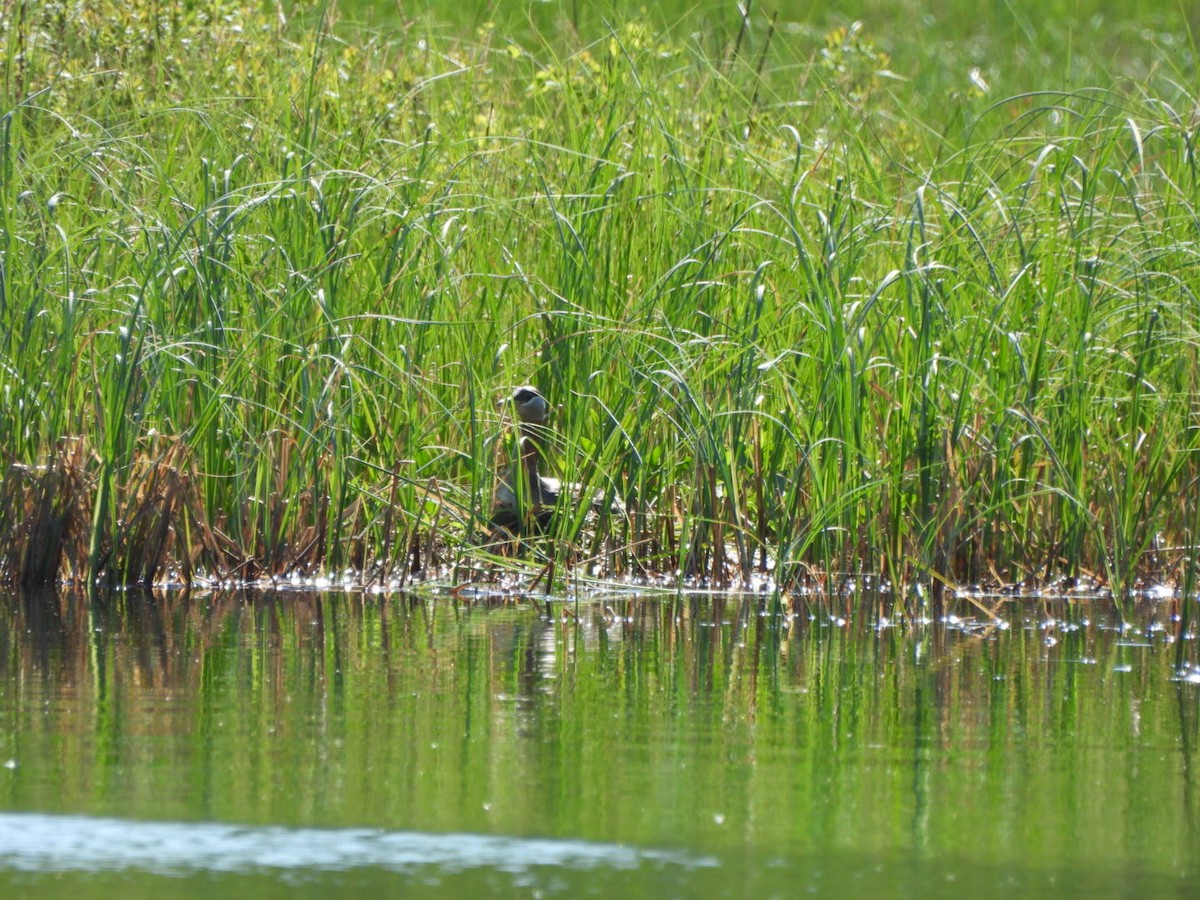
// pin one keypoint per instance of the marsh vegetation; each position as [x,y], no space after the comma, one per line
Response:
[810,295]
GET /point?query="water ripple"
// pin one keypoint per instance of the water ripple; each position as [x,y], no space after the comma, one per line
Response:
[34,842]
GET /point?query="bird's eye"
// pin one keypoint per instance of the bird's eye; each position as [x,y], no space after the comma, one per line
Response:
[524,395]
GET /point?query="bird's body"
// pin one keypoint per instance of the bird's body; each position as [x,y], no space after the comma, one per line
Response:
[525,497]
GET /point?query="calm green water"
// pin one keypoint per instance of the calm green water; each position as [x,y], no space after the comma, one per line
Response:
[297,744]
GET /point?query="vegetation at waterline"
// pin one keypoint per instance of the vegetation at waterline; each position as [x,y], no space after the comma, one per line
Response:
[812,295]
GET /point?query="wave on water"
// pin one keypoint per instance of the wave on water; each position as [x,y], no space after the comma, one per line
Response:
[34,842]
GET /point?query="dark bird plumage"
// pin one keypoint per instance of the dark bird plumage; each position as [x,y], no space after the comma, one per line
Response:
[525,497]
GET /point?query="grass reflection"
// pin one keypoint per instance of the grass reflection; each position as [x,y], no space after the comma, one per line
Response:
[1043,735]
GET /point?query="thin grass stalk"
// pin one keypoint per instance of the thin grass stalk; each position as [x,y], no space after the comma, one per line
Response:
[1187,588]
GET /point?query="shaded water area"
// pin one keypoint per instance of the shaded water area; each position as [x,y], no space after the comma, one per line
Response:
[295,744]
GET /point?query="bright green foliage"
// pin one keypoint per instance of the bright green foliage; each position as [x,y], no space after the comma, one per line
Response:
[813,294]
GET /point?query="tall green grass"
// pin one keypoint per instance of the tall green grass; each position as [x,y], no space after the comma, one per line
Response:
[811,296]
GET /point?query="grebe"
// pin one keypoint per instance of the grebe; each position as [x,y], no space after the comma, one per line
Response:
[525,496]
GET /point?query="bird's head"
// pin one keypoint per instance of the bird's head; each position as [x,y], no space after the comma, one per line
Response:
[531,406]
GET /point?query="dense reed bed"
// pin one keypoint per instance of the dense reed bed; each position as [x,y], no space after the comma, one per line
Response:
[811,296]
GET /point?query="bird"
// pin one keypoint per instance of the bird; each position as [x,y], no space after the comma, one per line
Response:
[525,498]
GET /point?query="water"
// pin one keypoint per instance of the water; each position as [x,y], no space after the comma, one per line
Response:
[299,744]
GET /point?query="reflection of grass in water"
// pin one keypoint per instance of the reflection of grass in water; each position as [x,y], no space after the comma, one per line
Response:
[767,715]
[800,302]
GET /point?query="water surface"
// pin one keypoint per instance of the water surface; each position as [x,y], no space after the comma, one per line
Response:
[275,745]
